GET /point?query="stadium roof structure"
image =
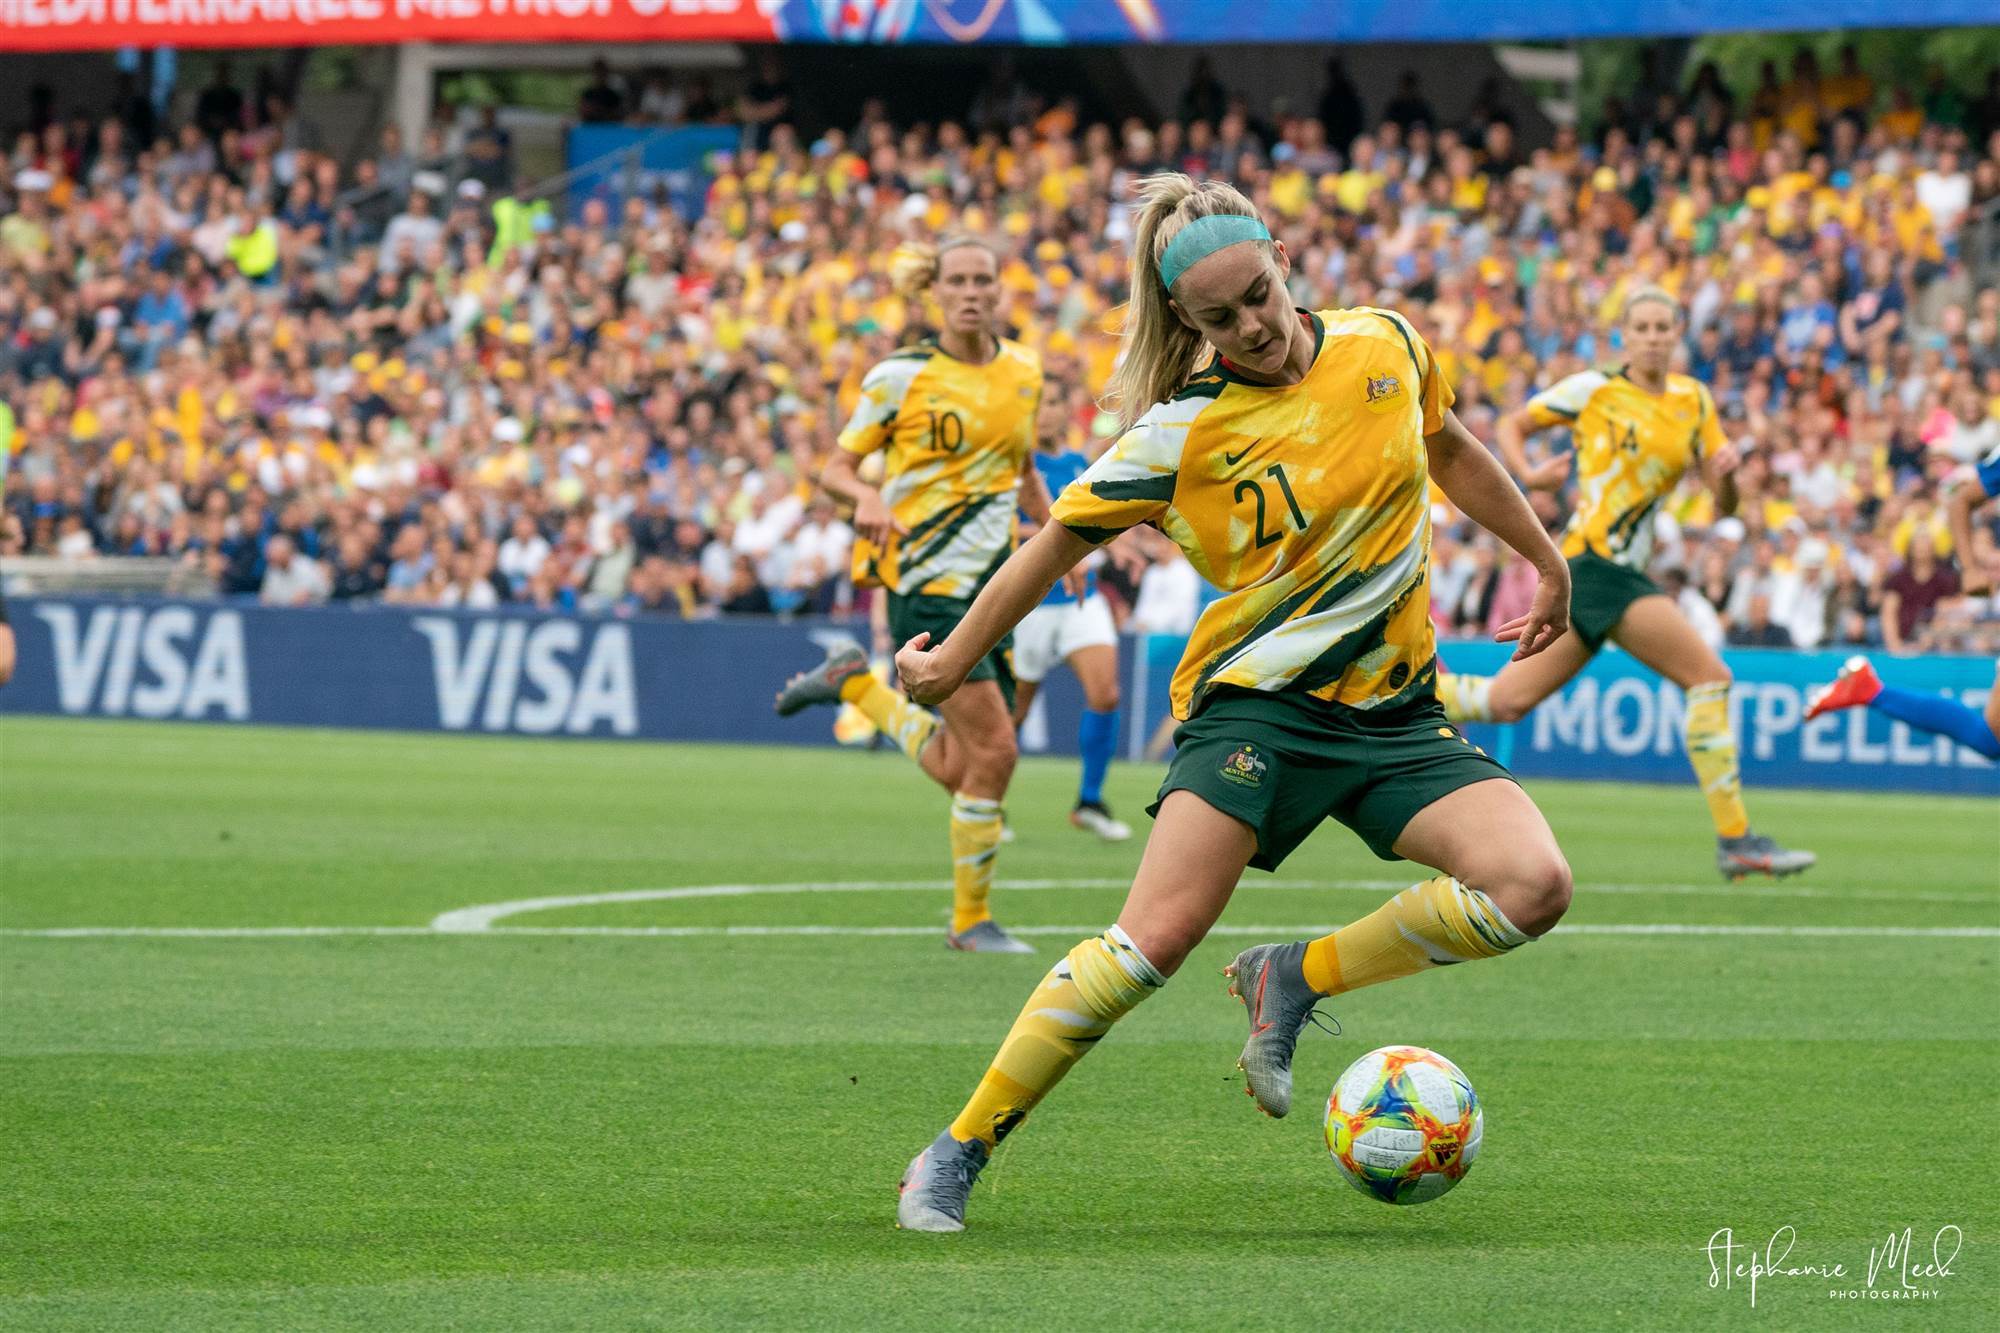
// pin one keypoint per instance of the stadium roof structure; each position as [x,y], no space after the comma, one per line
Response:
[81,25]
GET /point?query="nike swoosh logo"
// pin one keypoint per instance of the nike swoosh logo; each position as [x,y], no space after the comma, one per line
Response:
[1233,459]
[1258,1029]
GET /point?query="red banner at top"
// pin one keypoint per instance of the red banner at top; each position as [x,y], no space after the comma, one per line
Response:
[95,25]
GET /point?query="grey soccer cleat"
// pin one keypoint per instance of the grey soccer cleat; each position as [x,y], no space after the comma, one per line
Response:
[821,685]
[1755,854]
[1271,981]
[932,1193]
[986,937]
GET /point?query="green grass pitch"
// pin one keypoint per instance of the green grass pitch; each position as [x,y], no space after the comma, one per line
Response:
[550,1127]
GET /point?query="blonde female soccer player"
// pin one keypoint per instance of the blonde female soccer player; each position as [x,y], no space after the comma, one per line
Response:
[1637,429]
[1293,469]
[956,415]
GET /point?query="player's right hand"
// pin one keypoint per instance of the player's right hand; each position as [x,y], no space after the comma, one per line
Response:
[927,677]
[873,521]
[1547,619]
[1547,475]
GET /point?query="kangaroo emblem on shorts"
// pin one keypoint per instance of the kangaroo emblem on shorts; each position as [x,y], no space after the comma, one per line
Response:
[1244,767]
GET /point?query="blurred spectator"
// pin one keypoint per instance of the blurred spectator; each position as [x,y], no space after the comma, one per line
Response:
[600,102]
[489,151]
[1340,110]
[1911,596]
[767,100]
[291,579]
[1169,592]
[1699,611]
[523,554]
[1757,631]
[1408,107]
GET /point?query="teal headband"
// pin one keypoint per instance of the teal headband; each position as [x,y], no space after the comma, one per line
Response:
[1202,238]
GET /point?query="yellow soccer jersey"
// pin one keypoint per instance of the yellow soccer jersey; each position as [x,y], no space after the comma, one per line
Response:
[957,437]
[1631,449]
[1307,504]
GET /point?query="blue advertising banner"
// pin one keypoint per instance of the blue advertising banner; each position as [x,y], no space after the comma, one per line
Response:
[530,674]
[670,160]
[1056,22]
[1619,721]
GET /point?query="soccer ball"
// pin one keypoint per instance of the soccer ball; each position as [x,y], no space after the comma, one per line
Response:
[1403,1124]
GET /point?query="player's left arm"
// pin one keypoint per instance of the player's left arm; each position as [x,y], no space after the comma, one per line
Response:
[1966,497]
[932,675]
[1473,479]
[1719,457]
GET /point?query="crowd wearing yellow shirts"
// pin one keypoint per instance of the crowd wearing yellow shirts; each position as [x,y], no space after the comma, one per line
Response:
[615,407]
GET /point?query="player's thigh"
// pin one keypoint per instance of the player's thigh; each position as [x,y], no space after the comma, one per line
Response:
[7,653]
[1992,699]
[1492,837]
[1192,861]
[1096,668]
[1525,682]
[1654,631]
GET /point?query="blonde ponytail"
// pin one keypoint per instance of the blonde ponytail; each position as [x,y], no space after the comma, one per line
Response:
[1159,351]
[913,265]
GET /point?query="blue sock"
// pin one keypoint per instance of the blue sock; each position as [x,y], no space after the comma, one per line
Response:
[1097,737]
[1935,713]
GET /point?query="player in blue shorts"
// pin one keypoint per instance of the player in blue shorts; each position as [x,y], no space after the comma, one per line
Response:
[1857,685]
[1073,625]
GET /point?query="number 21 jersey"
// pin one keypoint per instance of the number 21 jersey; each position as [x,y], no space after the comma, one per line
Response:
[1306,504]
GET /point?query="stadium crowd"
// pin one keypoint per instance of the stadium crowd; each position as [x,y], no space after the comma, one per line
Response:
[415,382]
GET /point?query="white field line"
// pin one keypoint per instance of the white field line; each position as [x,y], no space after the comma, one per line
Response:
[483,919]
[485,916]
[1072,932]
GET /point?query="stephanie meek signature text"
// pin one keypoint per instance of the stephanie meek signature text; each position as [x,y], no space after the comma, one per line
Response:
[1896,1268]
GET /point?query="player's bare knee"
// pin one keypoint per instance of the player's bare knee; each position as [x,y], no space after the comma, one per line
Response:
[1106,702]
[990,756]
[1166,940]
[1711,676]
[1537,891]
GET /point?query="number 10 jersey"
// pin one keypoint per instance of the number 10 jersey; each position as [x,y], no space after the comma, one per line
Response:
[958,436]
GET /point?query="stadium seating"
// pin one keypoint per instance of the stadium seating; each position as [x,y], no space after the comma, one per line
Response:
[447,393]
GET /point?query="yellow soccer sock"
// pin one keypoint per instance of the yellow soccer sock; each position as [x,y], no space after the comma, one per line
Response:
[910,726]
[975,841]
[1465,698]
[1101,981]
[1431,924]
[1711,748]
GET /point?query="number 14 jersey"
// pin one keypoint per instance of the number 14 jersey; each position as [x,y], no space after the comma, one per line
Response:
[1307,504]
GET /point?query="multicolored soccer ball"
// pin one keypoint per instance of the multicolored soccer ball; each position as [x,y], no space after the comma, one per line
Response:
[1403,1124]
